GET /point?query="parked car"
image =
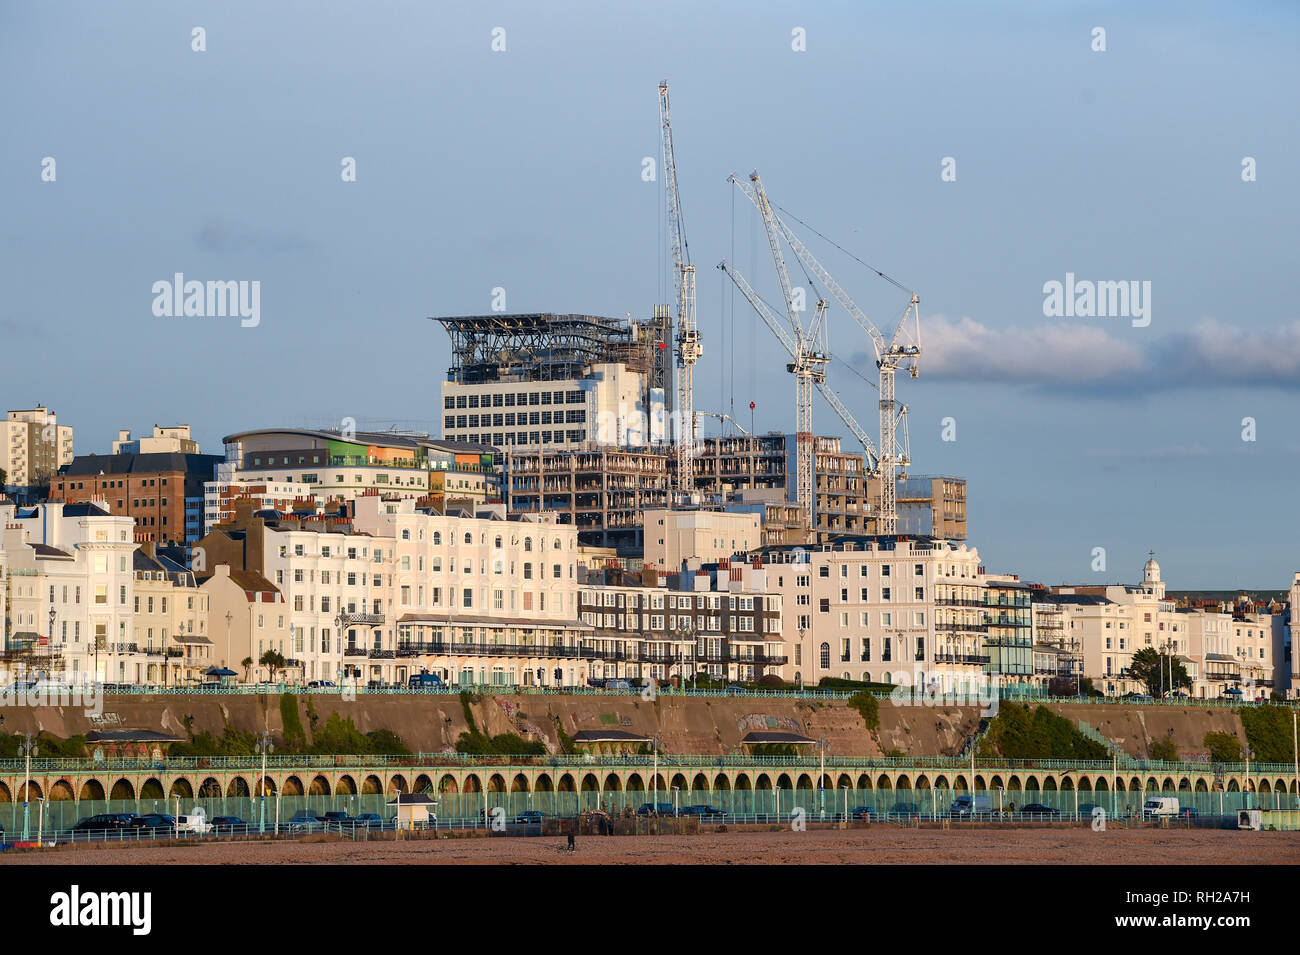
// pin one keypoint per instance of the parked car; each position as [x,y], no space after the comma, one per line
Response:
[304,821]
[154,824]
[229,825]
[905,809]
[529,817]
[1040,811]
[964,806]
[863,814]
[1188,812]
[104,822]
[656,809]
[371,820]
[425,681]
[336,818]
[704,811]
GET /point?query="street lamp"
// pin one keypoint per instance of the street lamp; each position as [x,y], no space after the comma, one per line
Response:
[263,746]
[229,617]
[29,749]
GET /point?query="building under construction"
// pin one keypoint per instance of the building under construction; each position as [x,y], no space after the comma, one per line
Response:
[612,379]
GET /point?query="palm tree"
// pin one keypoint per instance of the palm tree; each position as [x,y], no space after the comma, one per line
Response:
[247,664]
[273,660]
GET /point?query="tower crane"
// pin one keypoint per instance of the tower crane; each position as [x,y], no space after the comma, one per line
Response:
[903,350]
[808,365]
[688,335]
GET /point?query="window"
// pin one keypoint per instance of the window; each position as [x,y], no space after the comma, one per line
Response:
[825,656]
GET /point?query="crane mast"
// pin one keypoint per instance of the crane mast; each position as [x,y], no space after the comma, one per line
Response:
[902,350]
[688,335]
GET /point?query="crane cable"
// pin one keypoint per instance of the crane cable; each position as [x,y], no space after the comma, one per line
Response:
[891,281]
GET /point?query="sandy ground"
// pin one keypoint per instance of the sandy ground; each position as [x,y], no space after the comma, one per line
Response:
[877,844]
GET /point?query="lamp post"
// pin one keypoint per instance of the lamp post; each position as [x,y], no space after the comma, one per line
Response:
[654,780]
[229,617]
[53,614]
[29,749]
[821,773]
[263,746]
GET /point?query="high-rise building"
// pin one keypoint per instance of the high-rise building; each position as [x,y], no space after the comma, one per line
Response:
[34,446]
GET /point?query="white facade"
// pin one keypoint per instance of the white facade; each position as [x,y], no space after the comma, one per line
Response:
[672,536]
[607,406]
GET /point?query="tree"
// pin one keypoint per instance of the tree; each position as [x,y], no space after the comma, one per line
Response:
[1159,671]
[1223,747]
[1163,749]
[4,479]
[273,660]
[247,664]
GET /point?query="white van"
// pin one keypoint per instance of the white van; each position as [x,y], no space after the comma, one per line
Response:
[1157,806]
[195,822]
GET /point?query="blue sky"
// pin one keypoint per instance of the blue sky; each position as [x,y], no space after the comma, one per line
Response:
[522,169]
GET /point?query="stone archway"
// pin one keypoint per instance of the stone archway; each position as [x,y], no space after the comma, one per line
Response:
[122,789]
[346,786]
[181,787]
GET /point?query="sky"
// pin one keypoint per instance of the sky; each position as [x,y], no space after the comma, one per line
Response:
[973,152]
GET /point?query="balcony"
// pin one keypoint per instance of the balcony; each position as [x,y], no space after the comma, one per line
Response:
[363,619]
[973,659]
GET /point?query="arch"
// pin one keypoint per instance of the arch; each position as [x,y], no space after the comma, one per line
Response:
[1201,787]
[996,783]
[320,786]
[292,786]
[237,787]
[1264,786]
[1049,784]
[960,783]
[903,782]
[721,783]
[447,784]
[519,784]
[181,787]
[783,782]
[941,782]
[61,791]
[635,783]
[152,788]
[659,785]
[265,787]
[923,781]
[1031,783]
[590,783]
[566,784]
[371,786]
[1168,785]
[346,786]
[1134,784]
[1152,784]
[743,781]
[32,791]
[5,794]
[1013,784]
[1067,784]
[122,789]
[804,782]
[1119,784]
[844,782]
[543,784]
[864,781]
[763,782]
[397,784]
[1233,787]
[884,783]
[613,783]
[496,783]
[209,788]
[1184,785]
[679,782]
[981,784]
[1101,785]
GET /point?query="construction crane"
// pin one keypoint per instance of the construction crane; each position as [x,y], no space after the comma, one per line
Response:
[808,365]
[723,417]
[903,349]
[688,335]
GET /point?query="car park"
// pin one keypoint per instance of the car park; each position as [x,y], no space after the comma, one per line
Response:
[368,820]
[105,822]
[1038,810]
[229,825]
[305,821]
[153,824]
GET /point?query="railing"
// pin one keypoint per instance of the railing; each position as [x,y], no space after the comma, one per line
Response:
[973,658]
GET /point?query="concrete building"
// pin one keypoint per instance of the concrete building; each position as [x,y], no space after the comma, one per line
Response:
[744,462]
[708,536]
[161,492]
[220,498]
[248,616]
[782,522]
[601,491]
[170,440]
[341,466]
[881,609]
[33,447]
[1008,633]
[542,381]
[930,505]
